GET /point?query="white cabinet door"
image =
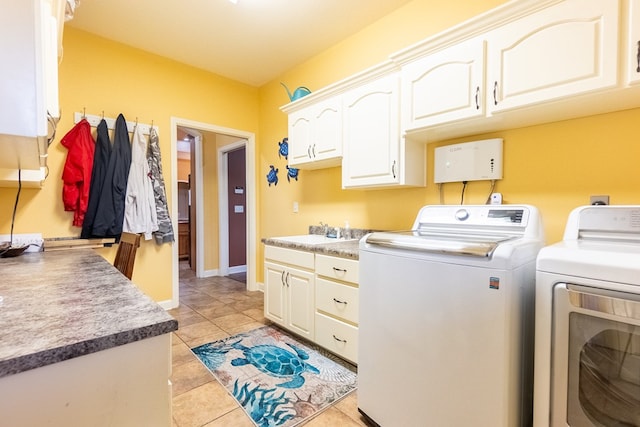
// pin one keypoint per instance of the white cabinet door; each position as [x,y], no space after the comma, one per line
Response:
[29,86]
[633,58]
[315,135]
[289,298]
[300,303]
[444,86]
[372,134]
[274,293]
[564,50]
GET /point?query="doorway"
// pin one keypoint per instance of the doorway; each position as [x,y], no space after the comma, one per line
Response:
[245,140]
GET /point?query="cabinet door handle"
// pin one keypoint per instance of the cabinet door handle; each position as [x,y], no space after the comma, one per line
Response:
[313,150]
[638,58]
[309,151]
[339,340]
[282,277]
[339,270]
[340,302]
[495,93]
[478,98]
[287,278]
[393,169]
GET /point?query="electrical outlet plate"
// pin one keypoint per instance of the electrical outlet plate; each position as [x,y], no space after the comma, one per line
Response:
[470,161]
[599,200]
[33,239]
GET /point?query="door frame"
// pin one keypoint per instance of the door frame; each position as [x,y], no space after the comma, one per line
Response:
[250,193]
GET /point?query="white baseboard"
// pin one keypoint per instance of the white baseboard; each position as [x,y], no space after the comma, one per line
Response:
[211,273]
[238,269]
[168,304]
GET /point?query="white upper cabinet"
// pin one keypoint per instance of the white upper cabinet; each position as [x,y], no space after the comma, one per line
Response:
[315,135]
[444,86]
[568,49]
[374,152]
[29,87]
[633,51]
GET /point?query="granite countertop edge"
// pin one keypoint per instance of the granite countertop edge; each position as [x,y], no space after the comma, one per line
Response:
[342,249]
[82,348]
[61,305]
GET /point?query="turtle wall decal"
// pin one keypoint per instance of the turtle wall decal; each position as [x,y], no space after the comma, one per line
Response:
[292,173]
[272,176]
[283,148]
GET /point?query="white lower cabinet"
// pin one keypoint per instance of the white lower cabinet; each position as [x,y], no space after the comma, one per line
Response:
[337,306]
[314,296]
[289,289]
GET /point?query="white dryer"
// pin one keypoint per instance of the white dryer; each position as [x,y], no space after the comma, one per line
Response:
[587,349]
[446,318]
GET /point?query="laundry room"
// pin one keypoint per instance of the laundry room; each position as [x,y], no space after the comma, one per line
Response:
[567,126]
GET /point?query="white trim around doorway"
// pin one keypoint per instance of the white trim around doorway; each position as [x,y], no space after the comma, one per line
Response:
[250,194]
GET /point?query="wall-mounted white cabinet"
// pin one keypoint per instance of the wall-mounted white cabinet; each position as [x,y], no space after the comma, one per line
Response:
[289,289]
[315,135]
[29,87]
[632,54]
[374,153]
[568,49]
[444,86]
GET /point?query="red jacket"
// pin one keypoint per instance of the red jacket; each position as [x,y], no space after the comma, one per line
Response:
[77,170]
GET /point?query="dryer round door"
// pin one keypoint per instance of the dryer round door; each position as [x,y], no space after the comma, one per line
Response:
[596,357]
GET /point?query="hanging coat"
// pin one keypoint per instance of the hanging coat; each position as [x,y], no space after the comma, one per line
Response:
[100,162]
[76,175]
[140,204]
[110,213]
[165,227]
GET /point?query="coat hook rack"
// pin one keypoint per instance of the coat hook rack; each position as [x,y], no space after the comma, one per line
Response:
[94,121]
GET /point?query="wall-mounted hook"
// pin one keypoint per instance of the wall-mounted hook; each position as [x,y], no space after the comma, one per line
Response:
[84,112]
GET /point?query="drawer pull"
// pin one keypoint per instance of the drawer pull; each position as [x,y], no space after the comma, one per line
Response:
[340,302]
[339,270]
[339,340]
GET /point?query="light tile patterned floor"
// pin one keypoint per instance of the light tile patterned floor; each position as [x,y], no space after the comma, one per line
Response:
[211,309]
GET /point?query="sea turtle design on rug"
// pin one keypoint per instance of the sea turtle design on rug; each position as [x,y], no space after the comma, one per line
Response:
[272,176]
[277,362]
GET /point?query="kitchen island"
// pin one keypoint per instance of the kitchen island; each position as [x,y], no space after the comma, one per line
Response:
[80,344]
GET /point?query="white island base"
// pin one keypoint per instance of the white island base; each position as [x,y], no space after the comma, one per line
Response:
[123,386]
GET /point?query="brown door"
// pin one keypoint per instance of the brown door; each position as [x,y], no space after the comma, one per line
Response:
[236,178]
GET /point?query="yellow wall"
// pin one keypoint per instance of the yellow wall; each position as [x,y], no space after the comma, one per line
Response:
[184,169]
[101,75]
[555,167]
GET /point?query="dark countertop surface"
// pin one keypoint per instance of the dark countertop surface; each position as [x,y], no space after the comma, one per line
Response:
[64,304]
[340,248]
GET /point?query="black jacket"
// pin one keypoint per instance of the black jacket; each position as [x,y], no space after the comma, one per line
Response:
[110,212]
[100,162]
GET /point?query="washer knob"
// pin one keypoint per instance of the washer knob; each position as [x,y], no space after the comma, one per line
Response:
[462,214]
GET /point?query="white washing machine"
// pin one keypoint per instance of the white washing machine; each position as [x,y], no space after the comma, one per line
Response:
[587,349]
[445,332]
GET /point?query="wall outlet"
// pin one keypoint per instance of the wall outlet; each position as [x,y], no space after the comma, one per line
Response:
[599,200]
[33,239]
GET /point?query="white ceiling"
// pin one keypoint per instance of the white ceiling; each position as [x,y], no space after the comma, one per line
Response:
[253,41]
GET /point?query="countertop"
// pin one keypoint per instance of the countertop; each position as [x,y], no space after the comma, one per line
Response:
[64,304]
[341,248]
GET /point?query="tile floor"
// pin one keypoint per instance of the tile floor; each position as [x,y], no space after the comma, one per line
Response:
[211,309]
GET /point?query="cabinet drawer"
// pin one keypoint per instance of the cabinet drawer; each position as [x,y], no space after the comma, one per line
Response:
[337,337]
[337,299]
[343,269]
[289,256]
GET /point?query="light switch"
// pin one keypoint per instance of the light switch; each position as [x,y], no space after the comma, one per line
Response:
[295,207]
[238,209]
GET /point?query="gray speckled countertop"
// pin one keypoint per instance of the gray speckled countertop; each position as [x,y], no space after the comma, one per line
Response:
[64,304]
[340,248]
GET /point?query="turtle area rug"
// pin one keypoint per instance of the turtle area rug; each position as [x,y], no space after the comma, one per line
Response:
[278,380]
